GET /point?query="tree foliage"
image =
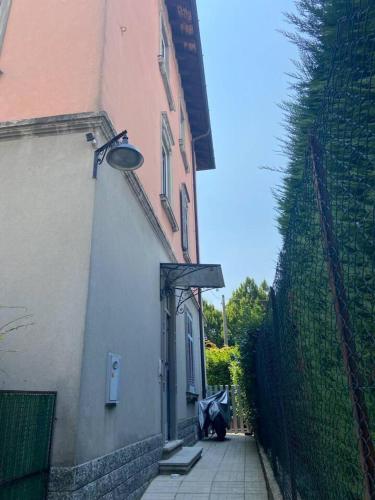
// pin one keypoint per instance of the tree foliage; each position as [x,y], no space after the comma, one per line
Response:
[220,364]
[245,312]
[234,364]
[314,29]
[213,324]
[298,354]
[245,309]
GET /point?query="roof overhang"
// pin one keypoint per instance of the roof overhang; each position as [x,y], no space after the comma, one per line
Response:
[183,17]
[186,276]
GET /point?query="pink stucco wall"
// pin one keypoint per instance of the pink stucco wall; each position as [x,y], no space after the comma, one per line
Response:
[72,56]
[51,58]
[133,95]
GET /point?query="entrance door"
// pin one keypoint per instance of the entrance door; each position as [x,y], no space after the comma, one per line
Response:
[168,376]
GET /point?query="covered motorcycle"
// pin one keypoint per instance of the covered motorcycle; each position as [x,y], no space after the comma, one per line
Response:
[214,412]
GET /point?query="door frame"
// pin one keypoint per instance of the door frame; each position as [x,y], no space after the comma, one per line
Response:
[168,369]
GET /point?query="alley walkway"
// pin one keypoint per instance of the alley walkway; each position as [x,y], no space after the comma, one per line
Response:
[229,470]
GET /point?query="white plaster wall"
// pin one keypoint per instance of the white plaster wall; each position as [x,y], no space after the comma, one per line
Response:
[46,203]
[184,409]
[123,317]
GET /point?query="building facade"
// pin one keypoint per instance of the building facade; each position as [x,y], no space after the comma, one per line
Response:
[82,256]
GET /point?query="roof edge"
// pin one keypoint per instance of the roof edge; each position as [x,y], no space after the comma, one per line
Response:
[183,17]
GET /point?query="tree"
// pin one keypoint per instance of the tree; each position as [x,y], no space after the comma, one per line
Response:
[245,313]
[233,364]
[245,309]
[220,364]
[214,324]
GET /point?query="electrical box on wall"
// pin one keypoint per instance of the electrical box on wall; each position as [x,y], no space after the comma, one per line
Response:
[113,378]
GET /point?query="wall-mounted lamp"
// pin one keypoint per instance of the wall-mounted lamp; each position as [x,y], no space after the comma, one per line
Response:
[121,155]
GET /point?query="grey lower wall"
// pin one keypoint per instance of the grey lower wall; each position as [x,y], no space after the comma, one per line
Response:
[83,259]
[46,205]
[123,317]
[125,473]
[188,431]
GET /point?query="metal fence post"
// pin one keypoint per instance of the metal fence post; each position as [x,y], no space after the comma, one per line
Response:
[276,328]
[234,409]
[347,344]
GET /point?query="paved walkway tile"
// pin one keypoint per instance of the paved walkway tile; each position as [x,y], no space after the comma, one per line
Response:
[229,470]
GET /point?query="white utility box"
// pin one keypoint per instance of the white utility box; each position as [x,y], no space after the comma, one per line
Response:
[113,378]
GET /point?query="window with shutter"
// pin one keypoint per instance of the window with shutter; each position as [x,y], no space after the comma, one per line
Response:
[190,375]
[184,196]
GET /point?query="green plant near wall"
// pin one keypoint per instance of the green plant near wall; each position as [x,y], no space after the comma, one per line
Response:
[221,363]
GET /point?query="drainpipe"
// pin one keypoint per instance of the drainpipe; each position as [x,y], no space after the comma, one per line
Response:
[203,367]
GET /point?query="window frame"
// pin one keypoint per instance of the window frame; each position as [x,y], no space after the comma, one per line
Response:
[164,59]
[164,46]
[167,142]
[182,126]
[166,194]
[166,188]
[5,6]
[182,138]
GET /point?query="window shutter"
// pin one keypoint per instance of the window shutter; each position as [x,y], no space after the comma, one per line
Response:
[190,376]
[184,220]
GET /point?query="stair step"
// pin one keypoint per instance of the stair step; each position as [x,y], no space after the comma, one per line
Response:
[171,447]
[182,461]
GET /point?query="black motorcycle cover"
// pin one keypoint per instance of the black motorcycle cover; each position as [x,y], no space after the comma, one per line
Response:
[210,407]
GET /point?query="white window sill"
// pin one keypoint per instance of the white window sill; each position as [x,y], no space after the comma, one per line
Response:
[191,395]
[169,211]
[168,90]
[184,155]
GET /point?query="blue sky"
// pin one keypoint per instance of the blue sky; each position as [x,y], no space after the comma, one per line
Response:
[246,60]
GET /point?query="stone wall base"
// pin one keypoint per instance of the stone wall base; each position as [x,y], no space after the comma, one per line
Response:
[124,473]
[187,430]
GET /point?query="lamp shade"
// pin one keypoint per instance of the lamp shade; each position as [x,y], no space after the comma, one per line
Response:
[125,157]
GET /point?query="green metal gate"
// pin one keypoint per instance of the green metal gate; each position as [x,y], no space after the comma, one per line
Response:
[26,422]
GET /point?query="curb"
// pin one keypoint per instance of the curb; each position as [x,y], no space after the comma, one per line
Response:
[273,489]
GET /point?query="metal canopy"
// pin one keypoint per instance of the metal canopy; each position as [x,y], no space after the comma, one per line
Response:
[186,276]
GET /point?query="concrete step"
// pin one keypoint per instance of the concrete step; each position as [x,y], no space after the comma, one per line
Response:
[172,447]
[182,461]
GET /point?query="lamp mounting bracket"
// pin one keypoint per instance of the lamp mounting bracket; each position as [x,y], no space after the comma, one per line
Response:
[100,153]
[185,295]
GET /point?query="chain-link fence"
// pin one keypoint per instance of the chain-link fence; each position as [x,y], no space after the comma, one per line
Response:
[315,354]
